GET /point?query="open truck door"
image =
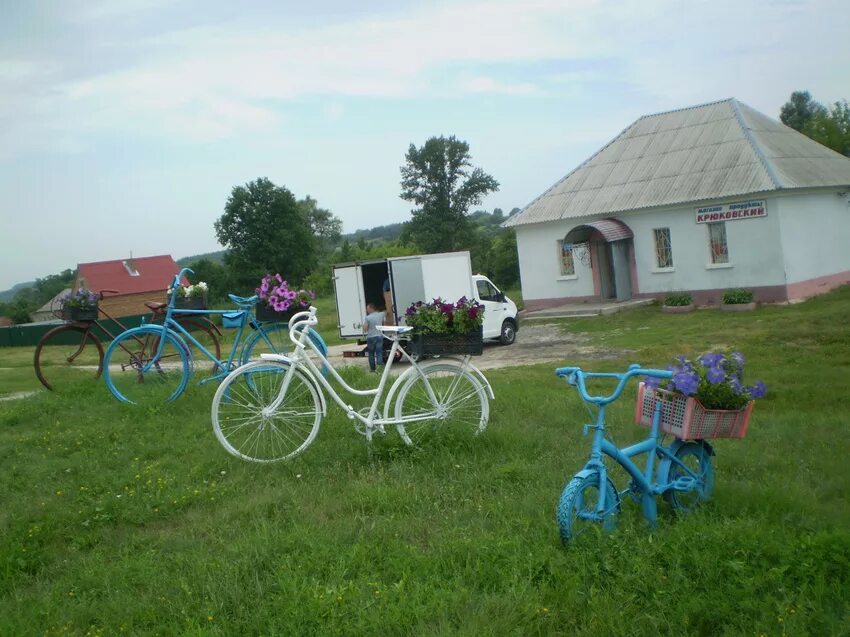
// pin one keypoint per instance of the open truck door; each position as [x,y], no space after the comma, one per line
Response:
[350,304]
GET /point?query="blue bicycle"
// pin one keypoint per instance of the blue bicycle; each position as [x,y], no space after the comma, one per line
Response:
[684,475]
[153,363]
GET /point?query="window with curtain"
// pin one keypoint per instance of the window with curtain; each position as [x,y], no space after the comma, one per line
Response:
[663,248]
[568,266]
[717,242]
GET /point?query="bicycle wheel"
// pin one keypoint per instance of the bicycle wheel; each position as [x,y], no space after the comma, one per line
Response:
[456,402]
[577,512]
[697,459]
[66,354]
[247,429]
[268,338]
[204,332]
[134,375]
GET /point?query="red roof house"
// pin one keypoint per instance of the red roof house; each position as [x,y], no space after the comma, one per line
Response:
[135,281]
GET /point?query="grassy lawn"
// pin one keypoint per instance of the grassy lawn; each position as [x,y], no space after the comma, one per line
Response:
[135,521]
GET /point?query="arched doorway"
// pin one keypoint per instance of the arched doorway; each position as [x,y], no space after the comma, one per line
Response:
[610,248]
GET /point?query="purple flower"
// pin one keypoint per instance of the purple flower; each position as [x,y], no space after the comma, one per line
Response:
[447,308]
[410,311]
[759,390]
[711,360]
[715,375]
[473,312]
[461,302]
[652,382]
[738,359]
[735,384]
[685,382]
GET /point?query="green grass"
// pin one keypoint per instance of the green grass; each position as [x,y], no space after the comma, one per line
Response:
[119,520]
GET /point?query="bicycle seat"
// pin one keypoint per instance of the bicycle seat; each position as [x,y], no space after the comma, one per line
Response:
[243,301]
[393,331]
[156,307]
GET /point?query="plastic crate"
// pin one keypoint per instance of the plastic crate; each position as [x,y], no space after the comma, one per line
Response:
[686,418]
[471,343]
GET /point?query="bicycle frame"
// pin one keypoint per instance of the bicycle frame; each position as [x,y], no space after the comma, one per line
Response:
[300,359]
[171,324]
[644,481]
[647,482]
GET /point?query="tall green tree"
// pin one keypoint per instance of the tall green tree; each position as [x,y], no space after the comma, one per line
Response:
[265,230]
[441,181]
[827,126]
[325,226]
[800,110]
[832,129]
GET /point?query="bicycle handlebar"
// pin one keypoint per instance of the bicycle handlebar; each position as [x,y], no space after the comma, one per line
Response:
[576,377]
[308,318]
[243,301]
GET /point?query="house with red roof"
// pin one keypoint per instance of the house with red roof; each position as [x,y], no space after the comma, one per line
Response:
[134,281]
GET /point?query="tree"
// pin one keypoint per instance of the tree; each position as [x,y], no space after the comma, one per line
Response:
[440,179]
[832,129]
[800,110]
[827,126]
[325,226]
[265,230]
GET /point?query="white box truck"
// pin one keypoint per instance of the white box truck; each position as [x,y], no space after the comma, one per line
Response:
[418,278]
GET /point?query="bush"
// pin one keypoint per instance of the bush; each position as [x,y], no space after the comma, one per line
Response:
[737,296]
[678,299]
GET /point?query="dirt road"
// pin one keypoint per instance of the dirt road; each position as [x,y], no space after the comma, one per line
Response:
[535,343]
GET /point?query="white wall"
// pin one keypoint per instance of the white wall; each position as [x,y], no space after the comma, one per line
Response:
[540,266]
[815,235]
[755,254]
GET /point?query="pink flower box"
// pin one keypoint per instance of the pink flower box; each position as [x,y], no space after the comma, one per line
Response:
[685,418]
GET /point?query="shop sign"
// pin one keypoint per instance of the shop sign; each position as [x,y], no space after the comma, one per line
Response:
[732,211]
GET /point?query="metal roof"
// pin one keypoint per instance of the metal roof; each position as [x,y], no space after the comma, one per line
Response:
[714,151]
[610,229]
[154,274]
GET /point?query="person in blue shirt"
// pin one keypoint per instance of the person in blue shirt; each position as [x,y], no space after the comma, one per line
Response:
[374,339]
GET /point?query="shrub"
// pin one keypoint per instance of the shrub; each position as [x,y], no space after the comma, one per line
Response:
[737,296]
[678,299]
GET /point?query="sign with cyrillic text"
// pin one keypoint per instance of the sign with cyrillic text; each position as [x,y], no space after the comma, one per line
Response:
[732,212]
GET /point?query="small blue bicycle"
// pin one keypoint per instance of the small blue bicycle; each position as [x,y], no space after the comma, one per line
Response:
[684,473]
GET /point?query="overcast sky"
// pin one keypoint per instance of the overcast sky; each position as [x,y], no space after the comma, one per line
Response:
[124,124]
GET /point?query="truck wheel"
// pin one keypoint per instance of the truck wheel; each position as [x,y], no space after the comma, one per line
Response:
[508,335]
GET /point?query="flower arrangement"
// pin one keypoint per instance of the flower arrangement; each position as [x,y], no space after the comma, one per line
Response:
[440,317]
[715,380]
[79,306]
[82,299]
[198,290]
[276,296]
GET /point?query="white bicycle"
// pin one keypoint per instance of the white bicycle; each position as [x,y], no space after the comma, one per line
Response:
[271,409]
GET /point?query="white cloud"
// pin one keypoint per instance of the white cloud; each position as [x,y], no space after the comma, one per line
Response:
[209,83]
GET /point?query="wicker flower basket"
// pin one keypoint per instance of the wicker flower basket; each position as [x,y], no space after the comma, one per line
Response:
[686,418]
[470,343]
[190,302]
[79,314]
[266,314]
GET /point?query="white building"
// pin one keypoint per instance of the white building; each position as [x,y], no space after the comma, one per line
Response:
[700,199]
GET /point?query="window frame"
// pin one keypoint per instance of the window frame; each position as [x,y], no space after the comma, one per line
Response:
[714,255]
[668,264]
[562,271]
